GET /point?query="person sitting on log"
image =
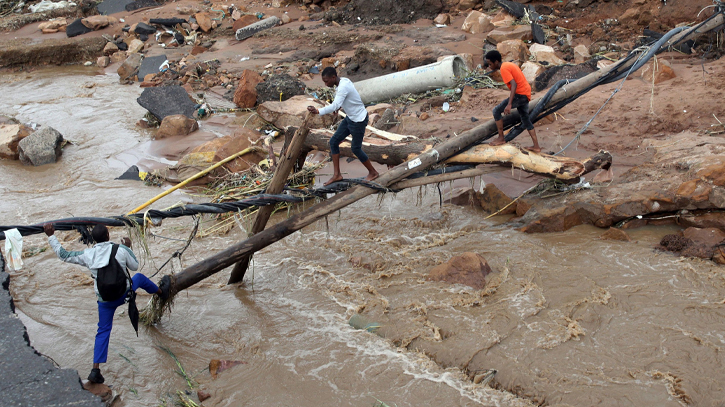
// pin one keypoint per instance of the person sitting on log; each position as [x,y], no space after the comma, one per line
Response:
[349,100]
[120,290]
[519,97]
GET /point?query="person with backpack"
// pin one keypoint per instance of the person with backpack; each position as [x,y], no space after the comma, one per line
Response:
[109,264]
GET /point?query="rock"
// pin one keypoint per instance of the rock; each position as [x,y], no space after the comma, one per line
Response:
[150,66]
[244,21]
[168,22]
[719,255]
[581,54]
[99,389]
[292,111]
[59,23]
[674,243]
[502,19]
[443,19]
[236,14]
[76,28]
[531,70]
[207,154]
[204,21]
[108,7]
[176,125]
[615,234]
[513,51]
[202,394]
[538,34]
[469,269]
[708,238]
[515,32]
[110,48]
[660,71]
[97,22]
[10,136]
[279,87]
[217,366]
[714,173]
[493,200]
[246,94]
[139,4]
[414,126]
[327,62]
[694,192]
[103,61]
[386,121]
[135,46]
[522,206]
[248,31]
[285,19]
[165,101]
[130,67]
[466,4]
[477,23]
[143,28]
[42,147]
[545,53]
[120,56]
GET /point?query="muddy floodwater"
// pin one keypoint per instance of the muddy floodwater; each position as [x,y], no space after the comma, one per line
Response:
[567,318]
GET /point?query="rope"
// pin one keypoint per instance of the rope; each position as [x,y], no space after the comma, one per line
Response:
[84,224]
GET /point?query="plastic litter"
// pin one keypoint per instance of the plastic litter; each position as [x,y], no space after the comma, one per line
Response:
[446,107]
[49,5]
[14,249]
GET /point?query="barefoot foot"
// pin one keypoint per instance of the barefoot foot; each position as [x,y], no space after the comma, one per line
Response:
[371,176]
[334,178]
[497,142]
[534,149]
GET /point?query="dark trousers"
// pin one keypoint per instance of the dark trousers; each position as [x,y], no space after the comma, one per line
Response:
[357,130]
[105,316]
[521,103]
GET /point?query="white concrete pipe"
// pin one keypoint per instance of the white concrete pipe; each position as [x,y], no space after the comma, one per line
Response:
[442,74]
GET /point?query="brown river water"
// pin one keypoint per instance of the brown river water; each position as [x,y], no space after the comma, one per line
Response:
[568,319]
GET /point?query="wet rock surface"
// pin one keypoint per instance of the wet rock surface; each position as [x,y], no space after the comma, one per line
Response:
[42,147]
[470,269]
[165,101]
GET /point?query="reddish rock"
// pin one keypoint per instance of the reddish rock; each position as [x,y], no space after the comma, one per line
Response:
[217,366]
[244,21]
[477,22]
[110,48]
[514,32]
[444,19]
[328,63]
[223,147]
[706,237]
[694,191]
[658,72]
[10,136]
[198,49]
[719,255]
[513,51]
[176,125]
[203,395]
[103,62]
[615,234]
[493,200]
[292,111]
[99,389]
[522,206]
[246,94]
[98,21]
[469,268]
[714,173]
[204,21]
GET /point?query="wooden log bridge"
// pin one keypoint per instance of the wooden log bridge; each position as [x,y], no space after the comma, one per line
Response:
[436,154]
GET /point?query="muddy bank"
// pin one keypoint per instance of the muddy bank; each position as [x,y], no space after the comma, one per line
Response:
[29,378]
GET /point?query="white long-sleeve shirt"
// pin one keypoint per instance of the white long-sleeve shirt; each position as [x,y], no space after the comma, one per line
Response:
[349,100]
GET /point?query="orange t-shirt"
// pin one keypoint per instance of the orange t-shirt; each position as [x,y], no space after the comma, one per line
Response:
[512,71]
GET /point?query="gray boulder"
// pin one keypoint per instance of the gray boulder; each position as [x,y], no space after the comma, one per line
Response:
[42,147]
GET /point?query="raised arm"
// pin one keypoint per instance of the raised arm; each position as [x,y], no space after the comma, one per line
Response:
[63,254]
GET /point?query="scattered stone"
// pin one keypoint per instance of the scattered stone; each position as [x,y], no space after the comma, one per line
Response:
[513,51]
[531,70]
[203,395]
[514,32]
[76,28]
[477,23]
[581,54]
[110,48]
[143,28]
[135,46]
[244,21]
[545,54]
[204,21]
[660,71]
[58,24]
[279,88]
[129,68]
[292,112]
[97,22]
[41,147]
[150,66]
[468,268]
[442,19]
[165,101]
[386,121]
[176,125]
[248,31]
[615,234]
[103,61]
[168,22]
[10,136]
[246,94]
[379,108]
[286,19]
[119,56]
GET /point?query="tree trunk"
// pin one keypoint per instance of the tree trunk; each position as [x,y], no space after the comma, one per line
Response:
[286,165]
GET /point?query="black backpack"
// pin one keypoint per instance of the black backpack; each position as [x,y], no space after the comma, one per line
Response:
[112,280]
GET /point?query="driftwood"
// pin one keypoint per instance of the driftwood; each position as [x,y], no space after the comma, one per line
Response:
[441,152]
[286,165]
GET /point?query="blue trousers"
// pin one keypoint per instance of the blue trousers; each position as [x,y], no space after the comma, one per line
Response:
[357,130]
[105,316]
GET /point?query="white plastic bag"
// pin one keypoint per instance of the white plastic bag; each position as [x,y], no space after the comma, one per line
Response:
[14,249]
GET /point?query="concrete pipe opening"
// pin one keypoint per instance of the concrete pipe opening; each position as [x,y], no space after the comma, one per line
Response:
[442,74]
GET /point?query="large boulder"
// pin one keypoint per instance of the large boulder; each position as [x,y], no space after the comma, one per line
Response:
[10,136]
[491,200]
[531,70]
[515,51]
[246,94]
[477,22]
[292,112]
[514,32]
[708,237]
[545,54]
[42,147]
[581,54]
[129,68]
[204,21]
[176,125]
[469,268]
[165,101]
[279,88]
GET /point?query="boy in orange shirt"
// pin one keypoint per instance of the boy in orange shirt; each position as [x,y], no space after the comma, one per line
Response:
[519,98]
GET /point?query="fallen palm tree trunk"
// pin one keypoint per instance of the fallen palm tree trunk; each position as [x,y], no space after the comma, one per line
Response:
[440,153]
[286,165]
